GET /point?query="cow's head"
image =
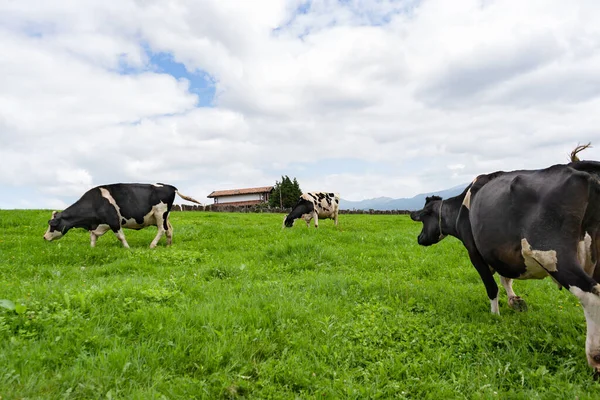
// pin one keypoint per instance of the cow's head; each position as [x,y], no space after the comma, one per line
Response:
[57,227]
[301,208]
[431,218]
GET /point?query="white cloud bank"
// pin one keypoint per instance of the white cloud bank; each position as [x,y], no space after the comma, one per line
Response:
[429,92]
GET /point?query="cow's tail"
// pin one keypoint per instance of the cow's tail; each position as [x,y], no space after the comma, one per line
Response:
[578,149]
[188,198]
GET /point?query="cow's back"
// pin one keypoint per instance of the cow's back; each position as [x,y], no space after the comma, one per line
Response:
[326,204]
[538,206]
[136,200]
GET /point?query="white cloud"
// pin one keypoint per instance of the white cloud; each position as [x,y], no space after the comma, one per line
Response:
[432,92]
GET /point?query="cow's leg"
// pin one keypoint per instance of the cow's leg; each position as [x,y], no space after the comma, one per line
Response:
[96,233]
[595,250]
[307,218]
[335,219]
[590,301]
[121,236]
[169,233]
[160,224]
[515,302]
[316,217]
[112,218]
[487,276]
[564,266]
[491,287]
[587,291]
[160,232]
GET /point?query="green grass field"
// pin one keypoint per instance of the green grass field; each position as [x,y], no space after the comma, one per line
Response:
[239,308]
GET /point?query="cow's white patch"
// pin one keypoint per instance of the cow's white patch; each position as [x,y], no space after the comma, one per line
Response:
[157,185]
[467,200]
[494,306]
[584,254]
[538,262]
[591,309]
[106,194]
[50,236]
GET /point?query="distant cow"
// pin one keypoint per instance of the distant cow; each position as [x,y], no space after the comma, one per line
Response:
[527,225]
[117,206]
[314,205]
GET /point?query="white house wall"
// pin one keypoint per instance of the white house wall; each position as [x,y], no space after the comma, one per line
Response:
[239,197]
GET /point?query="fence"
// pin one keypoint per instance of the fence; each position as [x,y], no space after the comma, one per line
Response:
[265,209]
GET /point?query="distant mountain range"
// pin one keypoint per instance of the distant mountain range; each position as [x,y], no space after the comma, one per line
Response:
[387,203]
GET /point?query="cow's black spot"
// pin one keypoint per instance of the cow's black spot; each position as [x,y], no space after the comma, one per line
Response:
[336,201]
[332,195]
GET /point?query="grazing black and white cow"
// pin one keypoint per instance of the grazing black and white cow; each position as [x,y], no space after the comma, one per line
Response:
[314,205]
[117,206]
[528,224]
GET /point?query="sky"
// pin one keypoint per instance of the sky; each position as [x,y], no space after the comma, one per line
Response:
[367,98]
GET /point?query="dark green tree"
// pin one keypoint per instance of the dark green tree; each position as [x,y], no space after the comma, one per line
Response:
[285,193]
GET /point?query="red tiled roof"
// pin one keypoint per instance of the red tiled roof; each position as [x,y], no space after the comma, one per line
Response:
[233,192]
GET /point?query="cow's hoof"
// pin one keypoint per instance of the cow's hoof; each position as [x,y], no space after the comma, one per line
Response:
[517,304]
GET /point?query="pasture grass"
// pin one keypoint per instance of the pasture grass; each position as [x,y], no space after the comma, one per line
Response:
[239,308]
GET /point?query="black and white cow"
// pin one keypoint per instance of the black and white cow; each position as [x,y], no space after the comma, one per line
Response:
[314,205]
[528,224]
[117,206]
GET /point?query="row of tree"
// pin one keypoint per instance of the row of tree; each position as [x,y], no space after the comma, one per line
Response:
[285,193]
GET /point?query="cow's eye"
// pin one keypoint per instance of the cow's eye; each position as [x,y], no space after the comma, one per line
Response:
[597,358]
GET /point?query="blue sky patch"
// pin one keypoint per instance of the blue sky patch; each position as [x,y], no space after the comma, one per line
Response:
[303,8]
[201,83]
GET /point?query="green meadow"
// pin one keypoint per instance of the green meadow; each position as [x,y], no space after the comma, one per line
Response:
[239,308]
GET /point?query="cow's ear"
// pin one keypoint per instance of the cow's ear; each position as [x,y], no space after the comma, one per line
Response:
[54,214]
[415,216]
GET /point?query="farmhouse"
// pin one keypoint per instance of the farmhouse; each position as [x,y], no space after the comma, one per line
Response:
[241,197]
